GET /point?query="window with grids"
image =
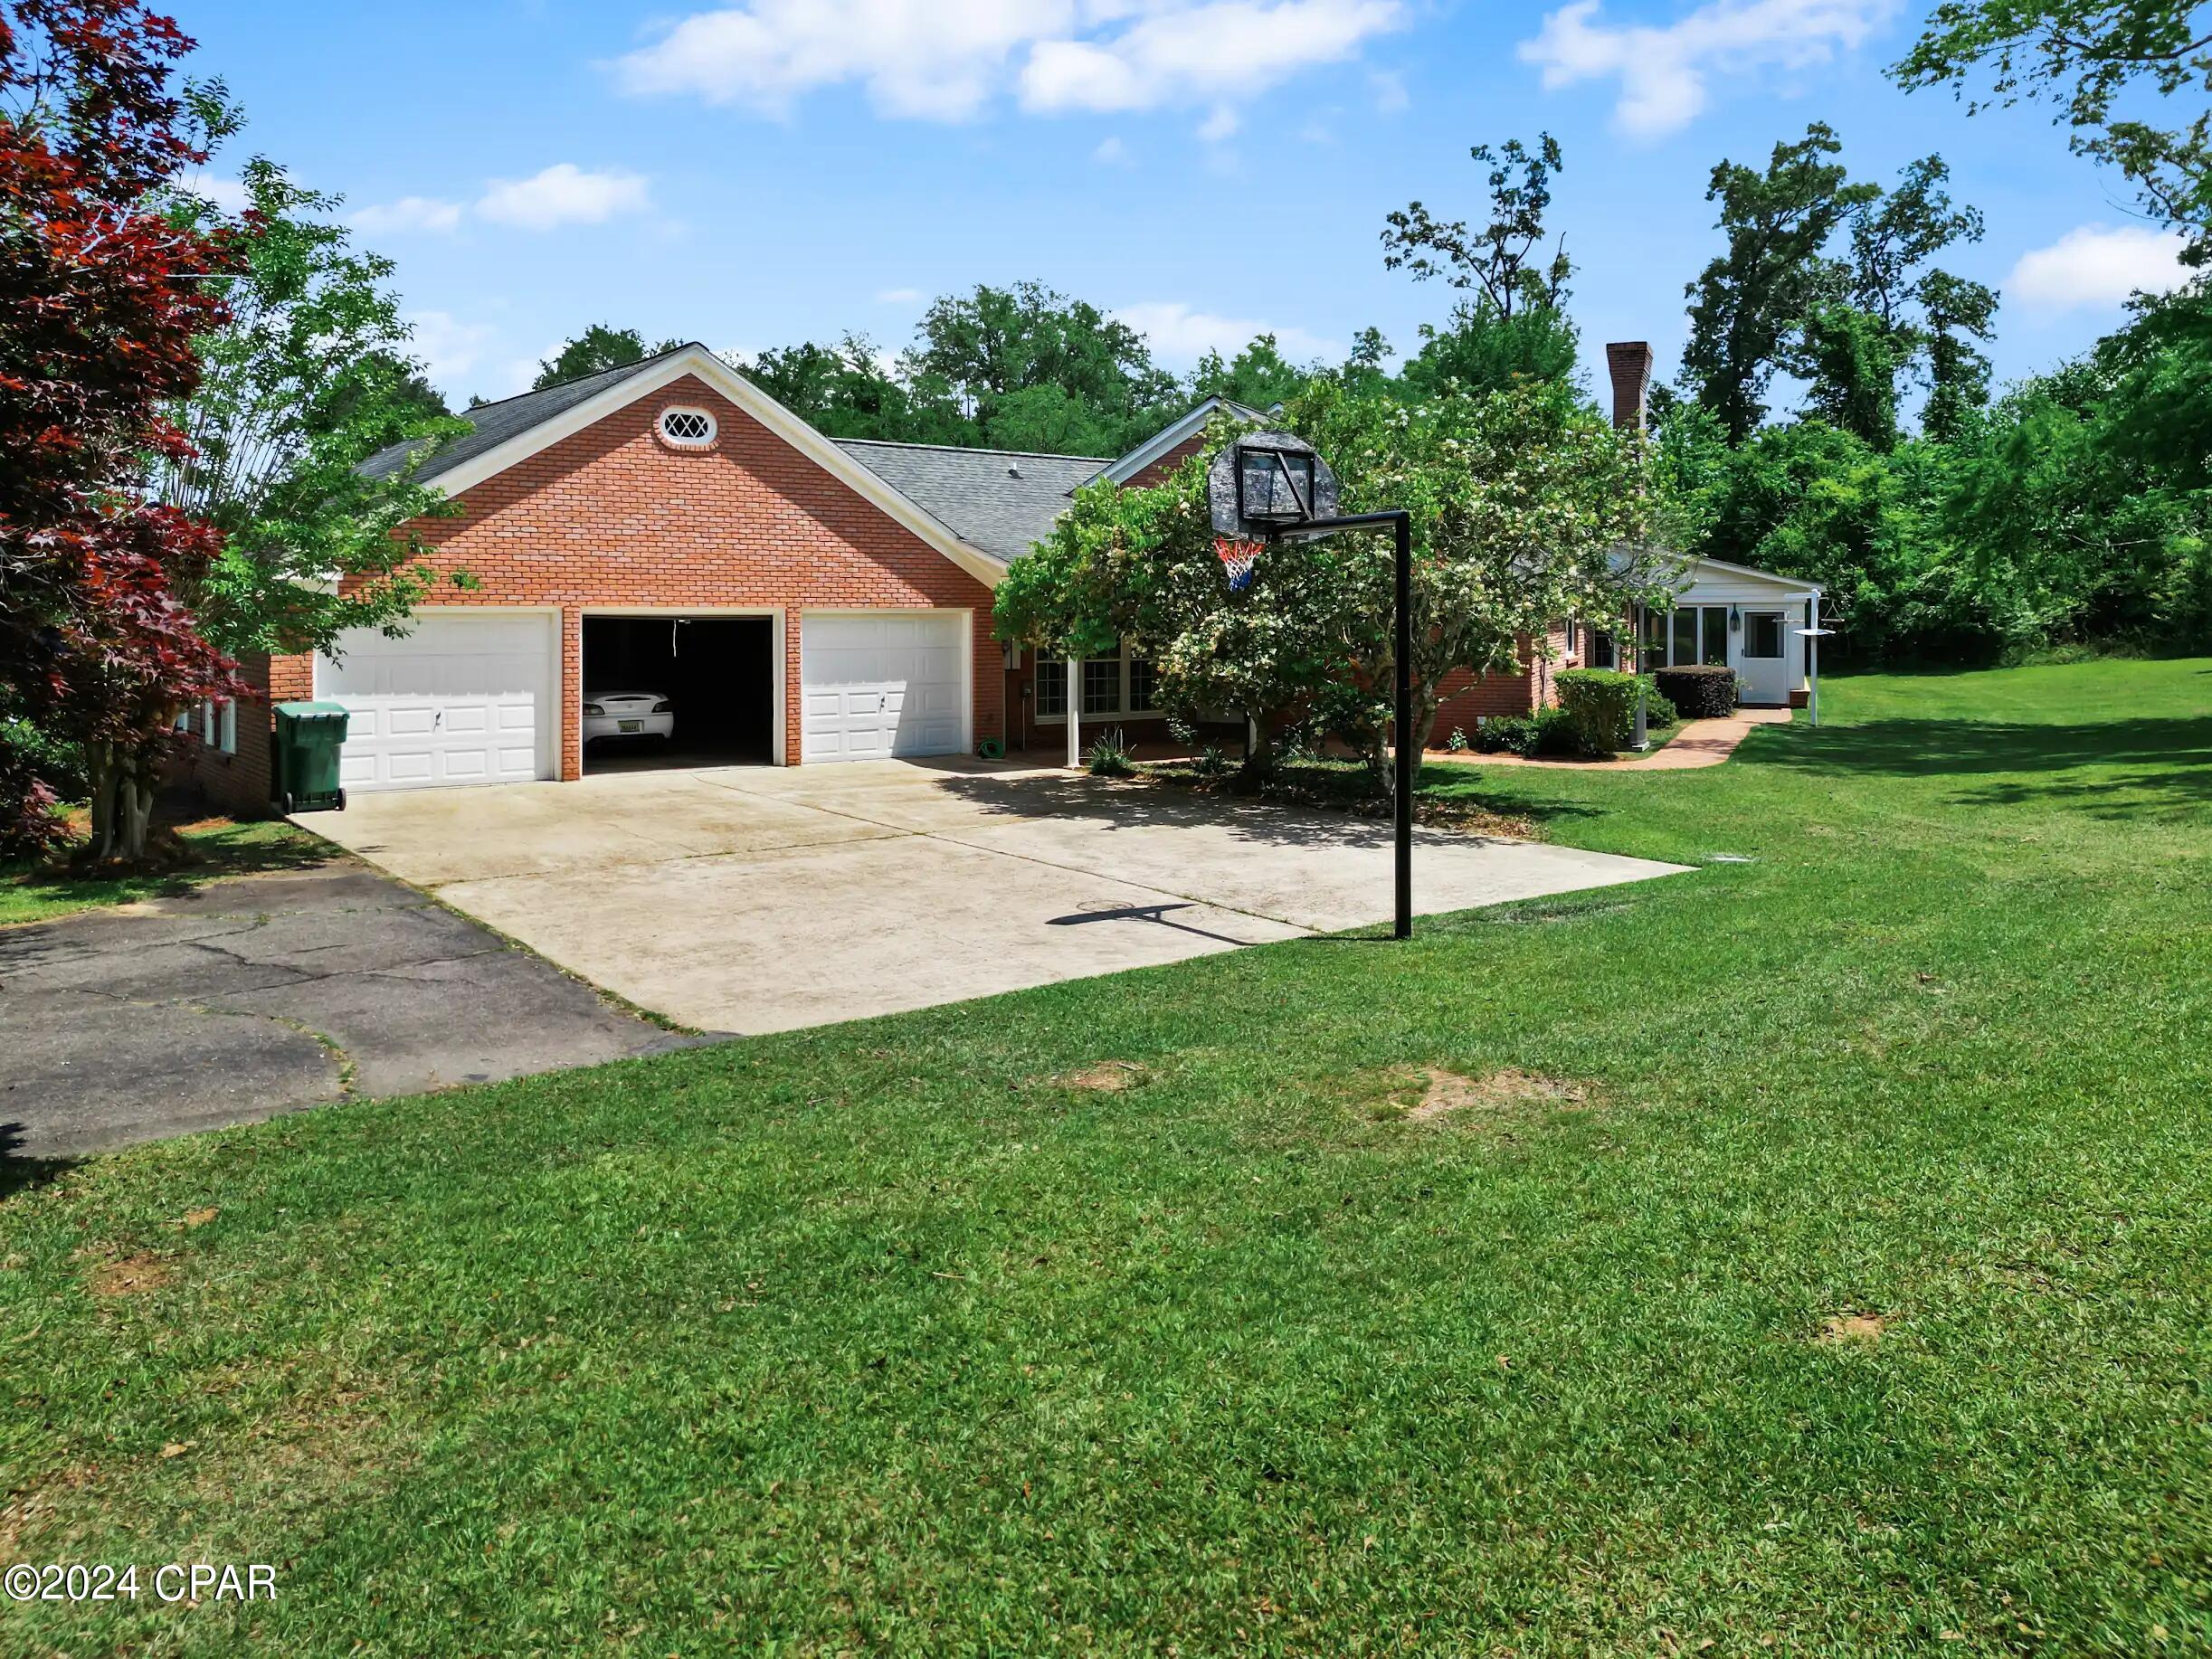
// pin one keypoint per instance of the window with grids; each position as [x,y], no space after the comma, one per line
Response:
[1102,686]
[688,428]
[1051,686]
[1143,682]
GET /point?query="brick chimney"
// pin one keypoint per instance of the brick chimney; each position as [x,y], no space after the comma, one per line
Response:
[1630,364]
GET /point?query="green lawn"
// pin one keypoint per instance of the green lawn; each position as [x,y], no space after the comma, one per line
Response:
[215,846]
[888,1339]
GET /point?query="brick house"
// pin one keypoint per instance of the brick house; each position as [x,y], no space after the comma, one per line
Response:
[668,528]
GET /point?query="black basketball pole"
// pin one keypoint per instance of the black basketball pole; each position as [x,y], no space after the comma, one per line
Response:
[1407,761]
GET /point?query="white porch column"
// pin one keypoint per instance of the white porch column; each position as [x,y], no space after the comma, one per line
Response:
[1075,709]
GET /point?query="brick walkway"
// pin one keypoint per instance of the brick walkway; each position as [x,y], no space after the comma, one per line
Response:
[1700,743]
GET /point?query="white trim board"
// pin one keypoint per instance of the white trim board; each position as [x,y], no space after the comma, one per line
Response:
[697,361]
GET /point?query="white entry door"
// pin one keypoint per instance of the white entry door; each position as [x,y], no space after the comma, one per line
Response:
[466,697]
[1764,660]
[882,684]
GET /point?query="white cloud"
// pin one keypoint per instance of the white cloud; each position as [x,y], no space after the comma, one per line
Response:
[1220,125]
[1389,92]
[226,194]
[2098,265]
[1663,71]
[448,347]
[1111,152]
[407,213]
[562,193]
[916,57]
[1230,49]
[899,297]
[930,61]
[1180,335]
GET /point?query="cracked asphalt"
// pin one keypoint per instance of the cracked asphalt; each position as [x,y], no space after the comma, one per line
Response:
[261,994]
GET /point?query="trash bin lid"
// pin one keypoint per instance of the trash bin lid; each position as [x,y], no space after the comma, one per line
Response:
[313,711]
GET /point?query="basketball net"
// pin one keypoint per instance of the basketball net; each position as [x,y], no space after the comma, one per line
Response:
[1237,556]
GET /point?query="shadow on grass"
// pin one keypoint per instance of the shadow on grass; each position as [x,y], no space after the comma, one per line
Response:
[1332,805]
[19,1173]
[2129,765]
[232,850]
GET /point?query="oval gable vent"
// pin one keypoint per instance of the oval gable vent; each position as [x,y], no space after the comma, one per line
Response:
[687,429]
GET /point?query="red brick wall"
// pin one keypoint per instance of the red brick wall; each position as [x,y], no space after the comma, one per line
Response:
[1157,472]
[612,515]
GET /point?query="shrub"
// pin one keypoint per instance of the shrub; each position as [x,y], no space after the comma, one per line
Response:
[1457,742]
[1213,761]
[1109,756]
[1555,732]
[29,828]
[1657,711]
[1599,706]
[1699,693]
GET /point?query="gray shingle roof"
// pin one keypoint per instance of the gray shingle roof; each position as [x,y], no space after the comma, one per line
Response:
[999,501]
[496,422]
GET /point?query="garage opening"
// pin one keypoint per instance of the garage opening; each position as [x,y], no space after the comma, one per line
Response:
[678,691]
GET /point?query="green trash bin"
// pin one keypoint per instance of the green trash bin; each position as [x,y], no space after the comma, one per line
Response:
[309,735]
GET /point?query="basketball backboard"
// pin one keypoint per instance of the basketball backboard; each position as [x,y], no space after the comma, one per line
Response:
[1267,484]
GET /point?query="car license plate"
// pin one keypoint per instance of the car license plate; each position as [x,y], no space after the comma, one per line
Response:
[630,725]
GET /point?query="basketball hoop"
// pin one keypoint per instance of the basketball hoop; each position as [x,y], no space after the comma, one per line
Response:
[1237,554]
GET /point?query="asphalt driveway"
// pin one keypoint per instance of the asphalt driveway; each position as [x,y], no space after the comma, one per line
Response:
[750,899]
[253,996]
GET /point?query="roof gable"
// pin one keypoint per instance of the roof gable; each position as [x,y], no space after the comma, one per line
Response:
[514,429]
[1126,466]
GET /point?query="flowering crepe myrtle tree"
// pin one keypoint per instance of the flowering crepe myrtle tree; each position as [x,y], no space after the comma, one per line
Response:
[103,293]
[1527,507]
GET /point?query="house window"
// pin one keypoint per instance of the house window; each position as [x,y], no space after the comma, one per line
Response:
[217,723]
[1686,636]
[1051,687]
[688,428]
[1655,639]
[1102,686]
[1762,634]
[1600,648]
[1121,685]
[1143,680]
[1716,636]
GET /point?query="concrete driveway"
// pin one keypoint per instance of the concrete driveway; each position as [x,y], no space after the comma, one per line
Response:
[248,996]
[749,899]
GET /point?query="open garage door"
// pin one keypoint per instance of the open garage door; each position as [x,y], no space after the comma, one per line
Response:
[882,684]
[679,691]
[467,697]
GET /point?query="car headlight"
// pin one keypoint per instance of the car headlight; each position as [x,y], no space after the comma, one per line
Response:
[663,706]
[593,708]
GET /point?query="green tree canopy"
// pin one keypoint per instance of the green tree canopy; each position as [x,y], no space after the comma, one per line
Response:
[2100,63]
[600,346]
[985,348]
[308,376]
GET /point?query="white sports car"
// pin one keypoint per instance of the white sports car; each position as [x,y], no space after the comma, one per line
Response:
[629,714]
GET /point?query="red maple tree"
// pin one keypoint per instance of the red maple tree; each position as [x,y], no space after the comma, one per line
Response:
[103,288]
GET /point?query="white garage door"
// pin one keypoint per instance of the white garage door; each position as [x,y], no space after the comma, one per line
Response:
[881,685]
[466,697]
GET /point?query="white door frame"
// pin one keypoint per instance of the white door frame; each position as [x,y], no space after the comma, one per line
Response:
[548,757]
[966,613]
[775,650]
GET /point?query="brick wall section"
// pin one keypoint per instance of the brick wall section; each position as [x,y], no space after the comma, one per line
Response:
[245,784]
[1157,472]
[613,517]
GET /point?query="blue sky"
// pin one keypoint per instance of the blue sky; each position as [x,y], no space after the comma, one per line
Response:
[777,170]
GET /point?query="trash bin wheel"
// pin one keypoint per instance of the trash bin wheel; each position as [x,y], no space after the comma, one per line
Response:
[286,802]
[341,800]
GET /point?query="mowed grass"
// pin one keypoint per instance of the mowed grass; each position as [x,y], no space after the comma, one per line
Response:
[1862,1304]
[39,892]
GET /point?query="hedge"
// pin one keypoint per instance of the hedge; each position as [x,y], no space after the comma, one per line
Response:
[1698,693]
[1599,705]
